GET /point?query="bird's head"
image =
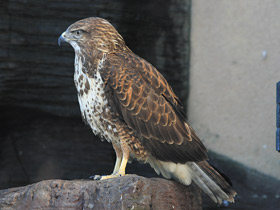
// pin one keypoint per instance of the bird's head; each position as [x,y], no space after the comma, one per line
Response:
[93,34]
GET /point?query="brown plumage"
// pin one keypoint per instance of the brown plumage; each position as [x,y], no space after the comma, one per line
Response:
[129,103]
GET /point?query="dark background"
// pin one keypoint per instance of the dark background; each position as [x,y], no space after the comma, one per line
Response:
[42,135]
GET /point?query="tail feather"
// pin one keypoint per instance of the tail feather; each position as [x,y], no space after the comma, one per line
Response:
[202,173]
[208,179]
[206,189]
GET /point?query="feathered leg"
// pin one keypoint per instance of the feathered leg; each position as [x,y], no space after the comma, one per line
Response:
[122,153]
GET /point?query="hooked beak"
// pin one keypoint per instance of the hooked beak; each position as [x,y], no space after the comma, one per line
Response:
[61,39]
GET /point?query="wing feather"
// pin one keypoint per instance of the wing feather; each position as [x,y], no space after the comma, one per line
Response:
[148,105]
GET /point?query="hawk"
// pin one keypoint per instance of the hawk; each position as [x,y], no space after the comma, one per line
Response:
[125,100]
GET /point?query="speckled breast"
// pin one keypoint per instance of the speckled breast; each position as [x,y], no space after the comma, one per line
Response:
[93,103]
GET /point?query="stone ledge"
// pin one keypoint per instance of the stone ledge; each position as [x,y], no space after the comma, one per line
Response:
[128,192]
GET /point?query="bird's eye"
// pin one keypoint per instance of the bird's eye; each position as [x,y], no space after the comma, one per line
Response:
[78,33]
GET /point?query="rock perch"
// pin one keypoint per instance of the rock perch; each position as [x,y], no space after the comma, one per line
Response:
[128,192]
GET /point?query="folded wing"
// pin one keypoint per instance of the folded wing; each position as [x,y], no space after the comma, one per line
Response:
[147,104]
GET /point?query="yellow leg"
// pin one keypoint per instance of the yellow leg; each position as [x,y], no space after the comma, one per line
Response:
[117,165]
[123,166]
[119,154]
[125,157]
[121,170]
[122,153]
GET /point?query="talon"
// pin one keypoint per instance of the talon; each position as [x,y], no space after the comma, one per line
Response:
[111,176]
[99,177]
[95,177]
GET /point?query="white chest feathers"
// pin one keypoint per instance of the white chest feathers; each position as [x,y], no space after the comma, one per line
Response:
[92,100]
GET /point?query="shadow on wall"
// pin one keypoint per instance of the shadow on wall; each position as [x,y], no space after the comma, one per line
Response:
[255,190]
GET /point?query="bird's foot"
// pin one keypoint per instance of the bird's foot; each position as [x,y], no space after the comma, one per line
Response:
[99,177]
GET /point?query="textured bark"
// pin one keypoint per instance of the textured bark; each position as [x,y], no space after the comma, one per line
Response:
[129,192]
[36,73]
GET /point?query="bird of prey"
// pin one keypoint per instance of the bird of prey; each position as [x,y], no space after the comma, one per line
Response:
[125,100]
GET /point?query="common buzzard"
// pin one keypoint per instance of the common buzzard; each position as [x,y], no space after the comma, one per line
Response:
[125,100]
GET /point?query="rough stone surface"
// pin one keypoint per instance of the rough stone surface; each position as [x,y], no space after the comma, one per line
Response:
[129,192]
